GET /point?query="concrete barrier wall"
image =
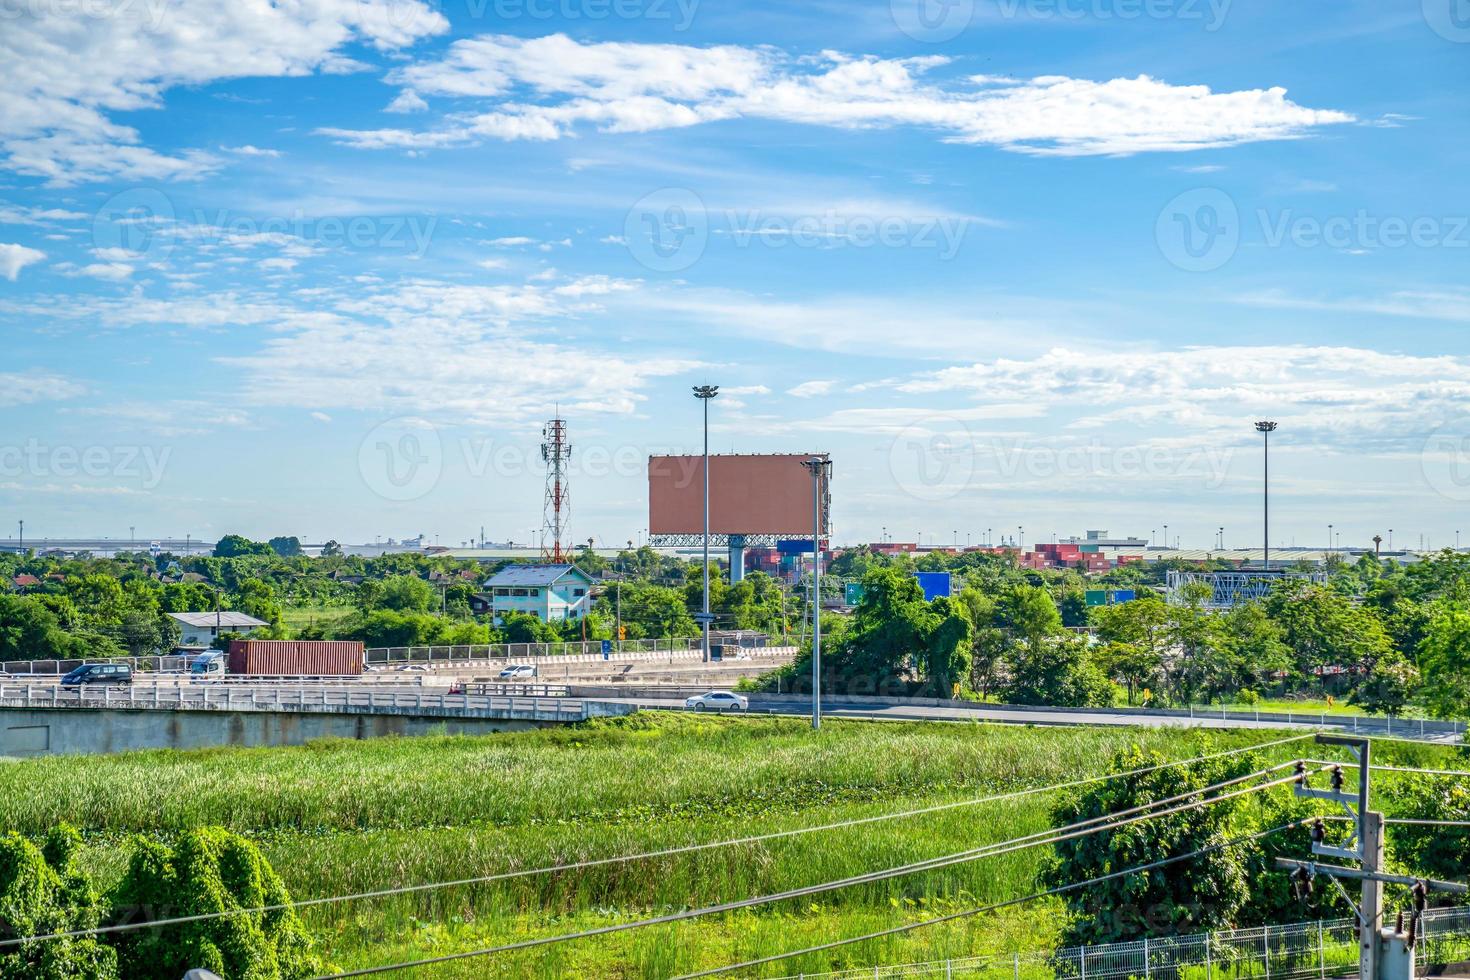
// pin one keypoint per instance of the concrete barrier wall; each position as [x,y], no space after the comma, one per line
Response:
[87,731]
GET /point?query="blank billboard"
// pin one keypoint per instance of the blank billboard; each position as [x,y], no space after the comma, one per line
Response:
[748,494]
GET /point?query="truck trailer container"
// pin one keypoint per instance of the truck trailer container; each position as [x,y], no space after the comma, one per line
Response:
[296,658]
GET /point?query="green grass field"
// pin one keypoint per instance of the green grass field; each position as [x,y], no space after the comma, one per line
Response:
[338,817]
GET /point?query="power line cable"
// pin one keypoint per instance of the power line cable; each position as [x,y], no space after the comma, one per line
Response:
[627,858]
[1071,886]
[932,864]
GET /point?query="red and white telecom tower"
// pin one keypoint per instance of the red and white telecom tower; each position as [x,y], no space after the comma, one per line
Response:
[556,451]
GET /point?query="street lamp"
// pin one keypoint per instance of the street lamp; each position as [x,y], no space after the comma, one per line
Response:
[1265,429]
[704,393]
[1329,537]
[820,469]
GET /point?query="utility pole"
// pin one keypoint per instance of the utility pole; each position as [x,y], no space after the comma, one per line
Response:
[1383,954]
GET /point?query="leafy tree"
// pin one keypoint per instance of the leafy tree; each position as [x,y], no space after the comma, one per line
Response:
[1325,628]
[989,644]
[235,546]
[209,870]
[255,597]
[286,547]
[1195,634]
[1253,647]
[525,628]
[332,549]
[1060,673]
[406,593]
[1433,851]
[1030,614]
[44,890]
[1444,657]
[1391,682]
[1201,894]
[1134,667]
[29,631]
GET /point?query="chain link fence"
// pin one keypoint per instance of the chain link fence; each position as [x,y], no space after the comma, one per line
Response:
[1287,952]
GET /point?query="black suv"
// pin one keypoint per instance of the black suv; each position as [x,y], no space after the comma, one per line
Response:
[98,674]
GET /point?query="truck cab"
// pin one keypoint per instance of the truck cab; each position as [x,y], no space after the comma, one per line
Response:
[208,663]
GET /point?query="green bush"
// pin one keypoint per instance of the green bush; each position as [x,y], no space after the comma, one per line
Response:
[42,890]
[209,870]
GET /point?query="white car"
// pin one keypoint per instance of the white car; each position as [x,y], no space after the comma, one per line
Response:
[515,672]
[717,701]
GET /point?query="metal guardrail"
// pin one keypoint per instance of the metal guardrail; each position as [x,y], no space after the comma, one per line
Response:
[522,651]
[494,689]
[363,698]
[1287,952]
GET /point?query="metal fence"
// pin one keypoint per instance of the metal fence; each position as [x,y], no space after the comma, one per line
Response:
[1286,952]
[522,651]
[283,697]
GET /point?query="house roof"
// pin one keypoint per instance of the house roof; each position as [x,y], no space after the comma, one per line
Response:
[534,575]
[24,579]
[224,618]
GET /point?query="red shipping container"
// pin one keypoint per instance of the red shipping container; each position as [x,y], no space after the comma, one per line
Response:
[296,658]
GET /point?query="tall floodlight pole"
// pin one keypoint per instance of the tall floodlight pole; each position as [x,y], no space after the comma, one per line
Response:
[1265,429]
[22,537]
[704,393]
[818,467]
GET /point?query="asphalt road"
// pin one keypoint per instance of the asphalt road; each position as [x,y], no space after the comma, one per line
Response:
[969,712]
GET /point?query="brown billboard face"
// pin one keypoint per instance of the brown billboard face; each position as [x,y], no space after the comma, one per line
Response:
[747,495]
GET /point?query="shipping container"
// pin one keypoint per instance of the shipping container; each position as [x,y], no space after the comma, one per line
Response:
[296,658]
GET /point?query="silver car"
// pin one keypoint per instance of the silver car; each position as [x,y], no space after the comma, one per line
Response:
[717,701]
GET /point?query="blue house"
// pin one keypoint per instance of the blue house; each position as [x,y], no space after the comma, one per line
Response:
[549,592]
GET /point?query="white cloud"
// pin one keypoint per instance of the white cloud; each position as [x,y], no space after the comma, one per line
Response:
[38,216]
[14,258]
[1339,397]
[1451,305]
[277,264]
[549,86]
[113,271]
[448,351]
[492,264]
[26,387]
[811,389]
[251,151]
[69,69]
[407,101]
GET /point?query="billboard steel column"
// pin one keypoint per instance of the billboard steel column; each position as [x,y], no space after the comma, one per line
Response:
[818,468]
[704,393]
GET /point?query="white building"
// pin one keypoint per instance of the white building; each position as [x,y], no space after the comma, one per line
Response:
[199,629]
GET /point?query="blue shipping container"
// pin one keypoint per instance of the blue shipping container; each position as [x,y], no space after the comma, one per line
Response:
[934,584]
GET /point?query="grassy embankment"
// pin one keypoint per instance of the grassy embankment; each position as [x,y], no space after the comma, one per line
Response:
[338,817]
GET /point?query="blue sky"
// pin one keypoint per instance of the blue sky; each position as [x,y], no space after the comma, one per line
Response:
[324,268]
